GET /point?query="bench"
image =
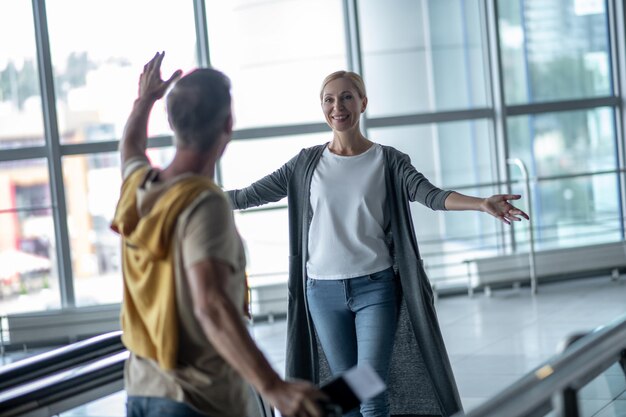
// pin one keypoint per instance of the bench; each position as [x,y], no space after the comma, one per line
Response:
[514,269]
[59,326]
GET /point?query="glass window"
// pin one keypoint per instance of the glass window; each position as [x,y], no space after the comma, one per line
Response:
[97,61]
[575,210]
[456,156]
[21,121]
[28,275]
[248,160]
[554,50]
[92,187]
[265,232]
[266,238]
[277,53]
[422,56]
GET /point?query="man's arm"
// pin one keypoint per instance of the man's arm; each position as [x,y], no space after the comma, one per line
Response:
[221,322]
[151,88]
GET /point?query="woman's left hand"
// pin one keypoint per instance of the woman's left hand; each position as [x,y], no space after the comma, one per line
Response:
[499,207]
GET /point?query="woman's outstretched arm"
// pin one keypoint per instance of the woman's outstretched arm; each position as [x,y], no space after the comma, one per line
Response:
[498,206]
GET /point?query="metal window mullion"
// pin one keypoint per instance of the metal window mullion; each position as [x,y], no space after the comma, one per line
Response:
[162,141]
[431,118]
[204,56]
[561,106]
[352,35]
[498,102]
[53,148]
[487,79]
[377,122]
[202,33]
[617,20]
[17,154]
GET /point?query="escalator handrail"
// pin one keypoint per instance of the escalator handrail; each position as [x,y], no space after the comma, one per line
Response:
[63,385]
[583,361]
[56,360]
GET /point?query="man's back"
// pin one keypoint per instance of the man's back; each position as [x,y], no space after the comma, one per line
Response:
[204,229]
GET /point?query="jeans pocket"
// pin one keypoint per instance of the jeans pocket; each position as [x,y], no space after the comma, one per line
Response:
[383,276]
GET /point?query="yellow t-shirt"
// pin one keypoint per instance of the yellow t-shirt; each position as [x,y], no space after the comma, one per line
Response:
[202,378]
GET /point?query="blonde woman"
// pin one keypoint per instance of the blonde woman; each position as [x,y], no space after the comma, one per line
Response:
[357,289]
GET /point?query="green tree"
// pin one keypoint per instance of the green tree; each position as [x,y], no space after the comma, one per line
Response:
[17,85]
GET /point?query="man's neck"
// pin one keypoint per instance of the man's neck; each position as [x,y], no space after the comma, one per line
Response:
[189,161]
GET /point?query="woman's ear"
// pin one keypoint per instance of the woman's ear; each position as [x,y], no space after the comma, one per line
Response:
[364,105]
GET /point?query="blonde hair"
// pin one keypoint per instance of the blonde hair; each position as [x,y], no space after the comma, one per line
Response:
[355,78]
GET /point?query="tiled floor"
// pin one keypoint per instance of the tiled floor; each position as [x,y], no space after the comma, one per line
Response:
[493,341]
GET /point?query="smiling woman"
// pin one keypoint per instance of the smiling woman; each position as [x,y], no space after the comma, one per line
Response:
[355,273]
[343,100]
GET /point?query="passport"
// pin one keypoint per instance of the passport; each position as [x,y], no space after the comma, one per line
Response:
[354,386]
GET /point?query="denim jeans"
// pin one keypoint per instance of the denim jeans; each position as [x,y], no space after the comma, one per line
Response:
[158,407]
[355,320]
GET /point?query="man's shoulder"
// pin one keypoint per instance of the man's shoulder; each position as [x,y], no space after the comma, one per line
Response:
[212,204]
[133,164]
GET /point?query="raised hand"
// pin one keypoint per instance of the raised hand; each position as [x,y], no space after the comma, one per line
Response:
[151,86]
[499,207]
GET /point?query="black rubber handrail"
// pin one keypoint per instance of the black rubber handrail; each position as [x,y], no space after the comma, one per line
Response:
[64,390]
[555,383]
[66,357]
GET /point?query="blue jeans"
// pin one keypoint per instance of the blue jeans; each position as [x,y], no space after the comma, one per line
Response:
[158,407]
[355,320]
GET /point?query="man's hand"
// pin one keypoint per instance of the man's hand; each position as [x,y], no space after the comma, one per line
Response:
[296,398]
[151,86]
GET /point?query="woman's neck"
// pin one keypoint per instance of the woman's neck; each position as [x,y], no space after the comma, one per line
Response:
[349,143]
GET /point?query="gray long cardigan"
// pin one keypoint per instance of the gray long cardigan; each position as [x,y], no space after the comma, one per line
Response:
[421,380]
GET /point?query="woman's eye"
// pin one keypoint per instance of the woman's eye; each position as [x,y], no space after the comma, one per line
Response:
[347,97]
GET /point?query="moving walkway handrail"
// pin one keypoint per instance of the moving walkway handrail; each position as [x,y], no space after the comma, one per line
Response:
[554,384]
[59,359]
[65,389]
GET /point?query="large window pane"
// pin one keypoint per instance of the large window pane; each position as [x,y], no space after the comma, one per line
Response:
[573,210]
[455,156]
[21,122]
[92,187]
[248,160]
[277,53]
[422,56]
[98,52]
[28,275]
[265,232]
[554,49]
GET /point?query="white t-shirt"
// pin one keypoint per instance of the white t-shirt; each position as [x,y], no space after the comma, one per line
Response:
[347,232]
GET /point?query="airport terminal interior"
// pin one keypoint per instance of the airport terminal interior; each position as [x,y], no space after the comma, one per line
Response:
[485,96]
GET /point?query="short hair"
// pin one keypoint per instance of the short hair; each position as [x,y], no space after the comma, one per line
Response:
[198,106]
[355,78]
